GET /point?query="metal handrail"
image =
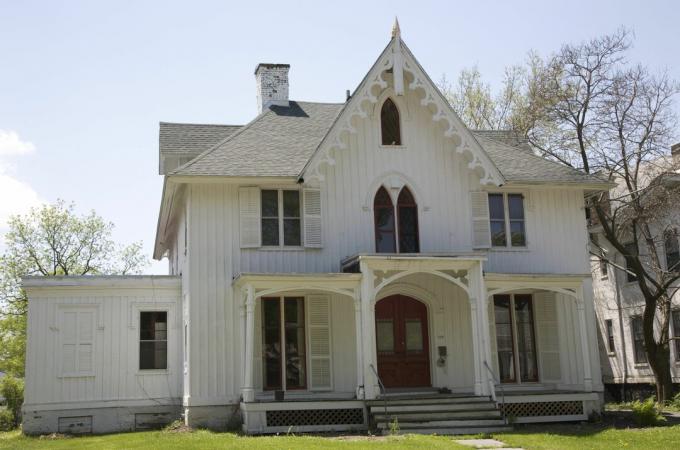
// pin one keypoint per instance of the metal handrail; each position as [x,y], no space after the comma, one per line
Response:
[382,388]
[497,382]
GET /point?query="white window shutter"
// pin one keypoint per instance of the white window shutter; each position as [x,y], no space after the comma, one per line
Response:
[85,341]
[69,341]
[548,342]
[249,216]
[312,217]
[77,342]
[481,229]
[319,330]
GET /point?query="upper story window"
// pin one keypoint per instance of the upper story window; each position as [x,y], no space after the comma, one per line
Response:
[506,216]
[639,353]
[405,227]
[670,239]
[389,123]
[631,249]
[280,217]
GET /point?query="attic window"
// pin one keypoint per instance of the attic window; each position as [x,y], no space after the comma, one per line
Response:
[389,123]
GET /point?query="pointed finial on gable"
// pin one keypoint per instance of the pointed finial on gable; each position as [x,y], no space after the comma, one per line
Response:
[396,32]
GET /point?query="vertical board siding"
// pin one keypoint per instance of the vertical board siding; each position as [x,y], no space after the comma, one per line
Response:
[116,347]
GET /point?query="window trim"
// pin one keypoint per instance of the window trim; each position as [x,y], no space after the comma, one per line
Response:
[506,223]
[166,340]
[395,215]
[636,360]
[611,338]
[280,217]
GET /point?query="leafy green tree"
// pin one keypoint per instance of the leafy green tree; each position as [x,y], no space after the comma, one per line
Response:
[51,241]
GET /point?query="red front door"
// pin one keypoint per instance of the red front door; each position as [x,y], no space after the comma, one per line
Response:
[402,341]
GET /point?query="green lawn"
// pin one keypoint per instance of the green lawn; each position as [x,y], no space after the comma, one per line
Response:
[565,436]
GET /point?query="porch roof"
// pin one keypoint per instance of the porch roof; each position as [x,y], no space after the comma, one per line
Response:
[409,258]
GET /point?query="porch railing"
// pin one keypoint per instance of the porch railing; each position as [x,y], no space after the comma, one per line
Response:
[497,382]
[382,389]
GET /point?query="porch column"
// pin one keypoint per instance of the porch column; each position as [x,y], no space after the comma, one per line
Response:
[585,347]
[481,331]
[371,385]
[248,391]
[360,344]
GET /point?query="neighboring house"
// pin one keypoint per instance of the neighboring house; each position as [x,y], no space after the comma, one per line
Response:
[321,252]
[619,303]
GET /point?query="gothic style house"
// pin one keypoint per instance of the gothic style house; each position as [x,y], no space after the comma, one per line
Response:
[333,267]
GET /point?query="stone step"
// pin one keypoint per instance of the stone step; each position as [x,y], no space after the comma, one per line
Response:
[473,406]
[445,423]
[455,431]
[427,400]
[423,416]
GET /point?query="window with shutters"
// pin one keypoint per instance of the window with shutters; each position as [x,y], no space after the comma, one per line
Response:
[280,217]
[396,233]
[670,239]
[515,338]
[390,126]
[153,340]
[77,342]
[284,352]
[639,354]
[506,220]
[609,328]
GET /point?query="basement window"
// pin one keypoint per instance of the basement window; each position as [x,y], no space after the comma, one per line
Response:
[153,340]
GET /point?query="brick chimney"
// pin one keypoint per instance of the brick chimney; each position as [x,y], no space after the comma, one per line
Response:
[272,85]
[675,153]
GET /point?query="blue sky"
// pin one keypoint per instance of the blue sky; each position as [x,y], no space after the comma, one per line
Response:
[83,85]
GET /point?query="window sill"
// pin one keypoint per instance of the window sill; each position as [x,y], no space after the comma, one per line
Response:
[141,373]
[510,249]
[392,147]
[77,375]
[296,248]
[611,354]
[641,365]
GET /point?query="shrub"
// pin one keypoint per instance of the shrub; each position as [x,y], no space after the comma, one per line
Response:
[6,420]
[675,402]
[647,413]
[13,390]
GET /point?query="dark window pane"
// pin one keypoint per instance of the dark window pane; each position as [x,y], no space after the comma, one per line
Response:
[498,233]
[672,250]
[291,232]
[639,353]
[517,235]
[270,231]
[295,343]
[631,249]
[153,335]
[389,123]
[385,219]
[270,204]
[515,206]
[408,229]
[504,341]
[383,211]
[610,335]
[271,345]
[676,333]
[496,210]
[291,204]
[526,345]
[384,335]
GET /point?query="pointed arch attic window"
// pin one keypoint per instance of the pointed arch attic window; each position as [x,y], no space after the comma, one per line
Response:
[389,123]
[385,231]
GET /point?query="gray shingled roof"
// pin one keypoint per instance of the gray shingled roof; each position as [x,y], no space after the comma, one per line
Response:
[192,137]
[276,143]
[280,141]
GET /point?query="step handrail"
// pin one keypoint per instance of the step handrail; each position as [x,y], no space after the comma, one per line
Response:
[497,382]
[382,389]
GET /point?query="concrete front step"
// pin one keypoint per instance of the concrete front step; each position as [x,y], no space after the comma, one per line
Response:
[423,416]
[426,407]
[444,423]
[427,401]
[455,431]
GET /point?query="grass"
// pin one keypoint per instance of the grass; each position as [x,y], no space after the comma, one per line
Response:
[534,437]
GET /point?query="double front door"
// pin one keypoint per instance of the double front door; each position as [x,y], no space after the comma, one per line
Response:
[402,342]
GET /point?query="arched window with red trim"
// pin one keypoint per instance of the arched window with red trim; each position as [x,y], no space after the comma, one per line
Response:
[385,229]
[407,214]
[389,123]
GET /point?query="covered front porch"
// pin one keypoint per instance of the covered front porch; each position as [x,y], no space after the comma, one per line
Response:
[414,325]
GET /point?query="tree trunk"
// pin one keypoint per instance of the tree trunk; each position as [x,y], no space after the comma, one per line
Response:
[658,354]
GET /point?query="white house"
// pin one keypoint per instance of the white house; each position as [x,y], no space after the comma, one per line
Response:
[332,266]
[619,303]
